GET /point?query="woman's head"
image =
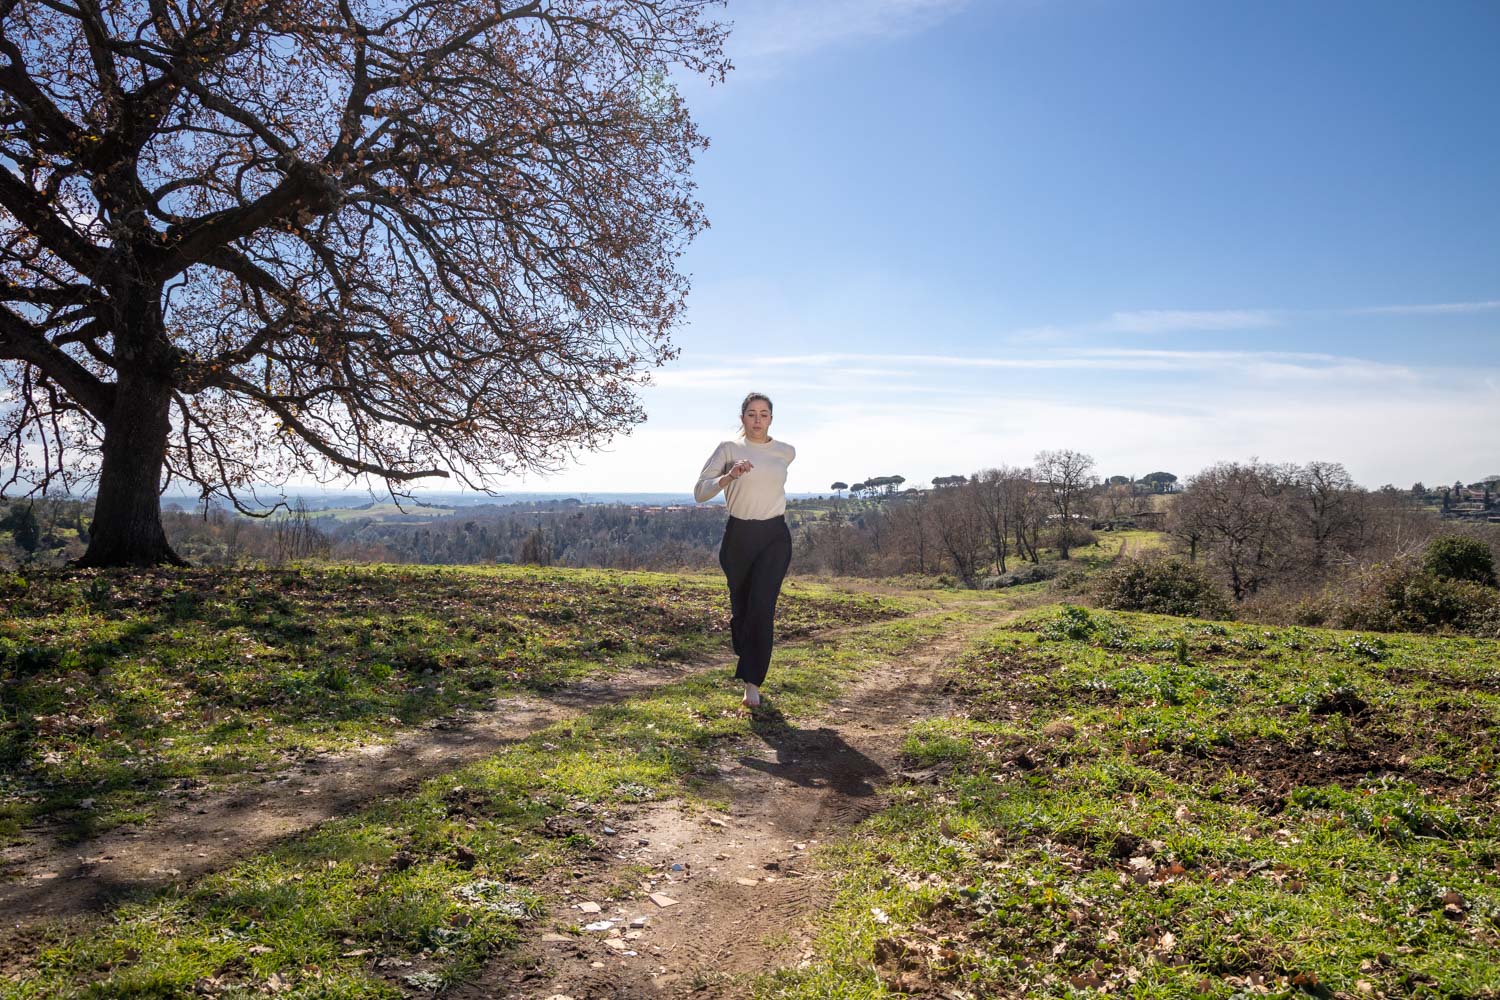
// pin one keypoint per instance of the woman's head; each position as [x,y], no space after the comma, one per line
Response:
[755,416]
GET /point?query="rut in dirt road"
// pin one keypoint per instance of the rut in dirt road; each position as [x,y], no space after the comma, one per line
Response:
[738,888]
[204,832]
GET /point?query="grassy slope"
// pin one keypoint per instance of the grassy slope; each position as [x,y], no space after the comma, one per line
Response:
[1160,807]
[1149,806]
[116,687]
[413,894]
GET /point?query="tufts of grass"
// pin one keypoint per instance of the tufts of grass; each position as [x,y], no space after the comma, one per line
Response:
[417,893]
[1160,807]
[116,687]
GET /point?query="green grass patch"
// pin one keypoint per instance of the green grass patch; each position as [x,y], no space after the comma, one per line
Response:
[1159,807]
[116,687]
[417,893]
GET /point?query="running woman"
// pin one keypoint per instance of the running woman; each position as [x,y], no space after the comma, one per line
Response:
[757,548]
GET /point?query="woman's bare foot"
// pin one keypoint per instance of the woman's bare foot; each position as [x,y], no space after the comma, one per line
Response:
[752,696]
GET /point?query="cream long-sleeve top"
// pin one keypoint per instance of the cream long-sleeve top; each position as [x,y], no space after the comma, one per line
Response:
[758,494]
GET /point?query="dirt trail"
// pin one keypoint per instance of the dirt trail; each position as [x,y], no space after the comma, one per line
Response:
[743,893]
[204,831]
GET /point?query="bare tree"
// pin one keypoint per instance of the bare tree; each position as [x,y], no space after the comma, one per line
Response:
[1185,522]
[837,547]
[1001,494]
[960,526]
[395,240]
[1329,510]
[1031,505]
[911,523]
[1069,479]
[296,537]
[1117,500]
[1240,514]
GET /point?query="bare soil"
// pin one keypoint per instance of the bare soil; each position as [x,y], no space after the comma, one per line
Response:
[199,831]
[699,902]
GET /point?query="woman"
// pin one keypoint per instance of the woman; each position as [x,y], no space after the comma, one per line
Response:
[757,547]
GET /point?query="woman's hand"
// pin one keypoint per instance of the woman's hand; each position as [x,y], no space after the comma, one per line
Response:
[739,468]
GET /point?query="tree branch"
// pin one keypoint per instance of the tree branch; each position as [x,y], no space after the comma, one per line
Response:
[37,216]
[21,341]
[316,442]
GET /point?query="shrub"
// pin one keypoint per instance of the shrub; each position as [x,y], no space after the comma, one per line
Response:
[1076,535]
[1163,585]
[1072,580]
[1070,622]
[1456,557]
[1402,597]
[1028,573]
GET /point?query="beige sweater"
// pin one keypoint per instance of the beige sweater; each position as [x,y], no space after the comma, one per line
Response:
[758,494]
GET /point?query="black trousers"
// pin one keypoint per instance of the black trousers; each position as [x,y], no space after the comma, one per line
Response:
[755,556]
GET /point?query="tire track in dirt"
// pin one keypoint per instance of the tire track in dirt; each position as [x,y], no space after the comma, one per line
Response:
[743,893]
[202,832]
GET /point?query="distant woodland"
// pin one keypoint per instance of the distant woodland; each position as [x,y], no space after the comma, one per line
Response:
[1256,528]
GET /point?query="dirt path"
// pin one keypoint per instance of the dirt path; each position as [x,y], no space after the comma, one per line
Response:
[203,831]
[742,893]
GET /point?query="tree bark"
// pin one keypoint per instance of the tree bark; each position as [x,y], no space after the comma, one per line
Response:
[127,527]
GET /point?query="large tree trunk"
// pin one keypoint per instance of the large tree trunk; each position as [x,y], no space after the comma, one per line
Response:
[127,527]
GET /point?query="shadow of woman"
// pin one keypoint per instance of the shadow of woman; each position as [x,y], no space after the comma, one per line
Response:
[813,758]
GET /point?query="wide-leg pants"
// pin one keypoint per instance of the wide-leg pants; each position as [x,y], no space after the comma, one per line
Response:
[755,556]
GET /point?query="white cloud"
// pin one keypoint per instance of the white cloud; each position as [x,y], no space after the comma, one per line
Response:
[1266,364]
[1186,320]
[848,366]
[1432,309]
[923,415]
[1039,335]
[1380,439]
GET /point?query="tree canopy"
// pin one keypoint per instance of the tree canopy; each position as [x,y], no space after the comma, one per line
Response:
[243,242]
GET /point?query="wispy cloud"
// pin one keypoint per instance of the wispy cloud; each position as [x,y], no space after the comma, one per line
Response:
[1168,321]
[1049,334]
[769,30]
[1432,309]
[1301,365]
[1380,436]
[1187,320]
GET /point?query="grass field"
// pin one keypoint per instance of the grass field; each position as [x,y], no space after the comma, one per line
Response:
[1158,807]
[1119,804]
[117,687]
[409,896]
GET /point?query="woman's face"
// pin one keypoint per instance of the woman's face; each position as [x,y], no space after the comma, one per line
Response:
[756,419]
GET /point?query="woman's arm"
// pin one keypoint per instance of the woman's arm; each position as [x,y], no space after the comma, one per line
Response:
[711,479]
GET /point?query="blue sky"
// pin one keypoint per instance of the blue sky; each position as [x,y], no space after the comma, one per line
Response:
[946,234]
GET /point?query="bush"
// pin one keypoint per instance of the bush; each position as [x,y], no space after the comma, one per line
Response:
[1072,580]
[1402,597]
[1457,557]
[1162,585]
[1028,573]
[1076,535]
